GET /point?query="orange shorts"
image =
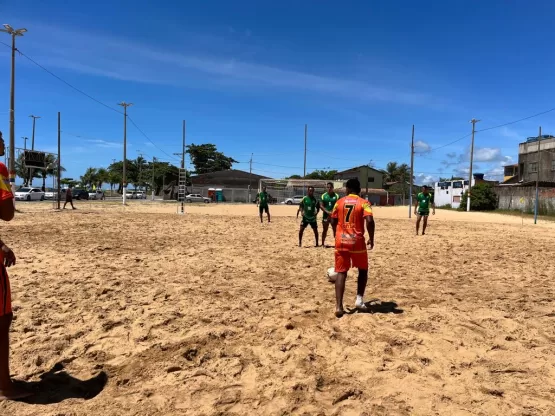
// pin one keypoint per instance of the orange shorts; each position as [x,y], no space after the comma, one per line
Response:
[344,260]
[5,292]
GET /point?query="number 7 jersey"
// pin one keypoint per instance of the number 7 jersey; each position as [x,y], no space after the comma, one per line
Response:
[350,212]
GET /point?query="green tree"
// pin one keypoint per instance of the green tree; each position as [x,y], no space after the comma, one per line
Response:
[24,172]
[392,170]
[102,177]
[114,178]
[206,158]
[51,169]
[89,178]
[322,174]
[483,198]
[294,177]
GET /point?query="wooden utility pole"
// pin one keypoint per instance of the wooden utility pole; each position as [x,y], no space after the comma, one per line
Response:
[250,178]
[537,204]
[59,173]
[124,179]
[153,161]
[473,121]
[411,172]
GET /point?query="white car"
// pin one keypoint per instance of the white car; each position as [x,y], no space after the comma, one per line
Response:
[139,195]
[50,193]
[98,194]
[197,198]
[296,200]
[29,194]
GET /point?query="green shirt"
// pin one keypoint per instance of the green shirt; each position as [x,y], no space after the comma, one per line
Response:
[263,199]
[310,208]
[424,202]
[329,202]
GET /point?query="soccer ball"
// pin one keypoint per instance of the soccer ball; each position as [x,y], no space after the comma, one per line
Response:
[331,274]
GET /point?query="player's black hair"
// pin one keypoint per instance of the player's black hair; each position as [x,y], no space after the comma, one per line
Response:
[353,185]
[330,183]
[425,187]
[311,187]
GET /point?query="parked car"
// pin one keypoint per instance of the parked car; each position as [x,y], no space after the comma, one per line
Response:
[197,198]
[79,194]
[29,194]
[50,193]
[98,194]
[296,200]
[139,195]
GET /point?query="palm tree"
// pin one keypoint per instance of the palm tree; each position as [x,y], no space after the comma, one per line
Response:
[101,177]
[114,178]
[51,169]
[89,177]
[392,170]
[403,172]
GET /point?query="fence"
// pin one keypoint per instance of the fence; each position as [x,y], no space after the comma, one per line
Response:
[523,198]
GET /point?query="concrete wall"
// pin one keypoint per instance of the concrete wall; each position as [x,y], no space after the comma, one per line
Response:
[523,198]
[528,154]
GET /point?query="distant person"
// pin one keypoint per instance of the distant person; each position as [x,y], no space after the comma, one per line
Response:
[69,198]
[422,208]
[262,202]
[309,208]
[8,391]
[329,200]
[350,214]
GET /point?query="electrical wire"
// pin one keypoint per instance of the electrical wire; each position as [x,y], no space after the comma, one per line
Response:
[148,138]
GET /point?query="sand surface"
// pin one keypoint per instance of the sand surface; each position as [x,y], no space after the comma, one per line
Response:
[139,311]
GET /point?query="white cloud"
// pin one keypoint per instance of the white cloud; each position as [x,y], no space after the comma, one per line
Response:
[422,147]
[106,144]
[452,155]
[487,154]
[102,55]
[423,179]
[510,133]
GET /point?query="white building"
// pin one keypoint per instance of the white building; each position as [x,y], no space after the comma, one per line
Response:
[450,192]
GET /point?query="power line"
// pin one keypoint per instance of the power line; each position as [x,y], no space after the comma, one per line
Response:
[148,138]
[517,121]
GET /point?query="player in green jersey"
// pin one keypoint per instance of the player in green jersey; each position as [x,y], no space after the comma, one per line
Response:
[309,207]
[262,200]
[422,208]
[326,205]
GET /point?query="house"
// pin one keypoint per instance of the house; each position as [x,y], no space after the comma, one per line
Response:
[510,172]
[370,178]
[231,178]
[534,166]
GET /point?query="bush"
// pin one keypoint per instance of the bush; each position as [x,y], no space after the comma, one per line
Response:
[483,198]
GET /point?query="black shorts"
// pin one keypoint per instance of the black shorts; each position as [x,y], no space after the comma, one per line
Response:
[265,209]
[423,213]
[313,224]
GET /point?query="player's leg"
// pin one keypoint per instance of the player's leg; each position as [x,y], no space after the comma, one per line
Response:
[7,388]
[425,224]
[268,213]
[325,226]
[360,261]
[342,264]
[261,213]
[301,232]
[418,218]
[314,226]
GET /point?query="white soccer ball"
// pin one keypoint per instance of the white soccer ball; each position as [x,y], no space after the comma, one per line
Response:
[331,274]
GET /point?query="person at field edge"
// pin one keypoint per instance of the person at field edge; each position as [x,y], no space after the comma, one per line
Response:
[69,198]
[422,208]
[262,202]
[309,208]
[8,391]
[329,200]
[350,214]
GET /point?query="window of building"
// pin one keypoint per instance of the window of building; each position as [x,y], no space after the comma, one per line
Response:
[553,165]
[370,179]
[457,185]
[533,167]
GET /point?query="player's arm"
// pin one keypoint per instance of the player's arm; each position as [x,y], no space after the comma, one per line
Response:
[7,208]
[323,207]
[416,205]
[334,215]
[301,209]
[371,228]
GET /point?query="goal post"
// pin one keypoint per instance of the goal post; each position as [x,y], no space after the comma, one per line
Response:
[280,190]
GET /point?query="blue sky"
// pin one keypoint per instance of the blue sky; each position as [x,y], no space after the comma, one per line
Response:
[248,75]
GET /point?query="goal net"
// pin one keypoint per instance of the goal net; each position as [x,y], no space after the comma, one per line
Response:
[280,190]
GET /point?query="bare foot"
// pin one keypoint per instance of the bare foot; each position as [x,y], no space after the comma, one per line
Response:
[14,393]
[339,313]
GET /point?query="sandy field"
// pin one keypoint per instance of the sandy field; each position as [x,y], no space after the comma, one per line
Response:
[139,311]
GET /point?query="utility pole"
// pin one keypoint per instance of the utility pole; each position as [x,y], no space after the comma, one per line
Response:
[153,161]
[25,142]
[250,177]
[536,207]
[59,173]
[411,172]
[13,33]
[33,136]
[304,172]
[140,163]
[124,179]
[473,121]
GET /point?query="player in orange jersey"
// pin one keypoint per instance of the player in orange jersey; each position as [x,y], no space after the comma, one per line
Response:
[7,209]
[350,214]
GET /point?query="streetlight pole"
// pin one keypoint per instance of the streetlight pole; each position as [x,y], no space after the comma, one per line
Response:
[13,32]
[124,180]
[33,136]
[473,121]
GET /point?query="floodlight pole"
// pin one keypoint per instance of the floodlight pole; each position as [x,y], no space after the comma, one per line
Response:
[536,205]
[411,171]
[124,181]
[473,121]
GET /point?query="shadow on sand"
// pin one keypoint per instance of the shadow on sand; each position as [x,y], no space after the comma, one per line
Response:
[56,385]
[377,306]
